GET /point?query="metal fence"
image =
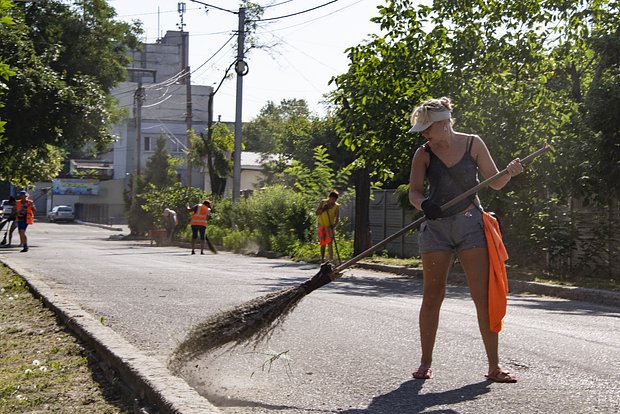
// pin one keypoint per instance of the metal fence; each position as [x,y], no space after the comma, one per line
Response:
[110,214]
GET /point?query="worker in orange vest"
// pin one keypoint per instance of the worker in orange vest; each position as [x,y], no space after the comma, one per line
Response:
[25,210]
[200,213]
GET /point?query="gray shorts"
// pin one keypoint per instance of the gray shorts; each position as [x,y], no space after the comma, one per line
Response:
[458,232]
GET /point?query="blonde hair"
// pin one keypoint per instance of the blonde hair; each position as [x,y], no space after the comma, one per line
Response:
[421,112]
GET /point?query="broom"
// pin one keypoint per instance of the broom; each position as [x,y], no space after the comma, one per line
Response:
[210,245]
[256,320]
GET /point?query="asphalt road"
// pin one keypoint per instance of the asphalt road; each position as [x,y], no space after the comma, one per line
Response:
[349,347]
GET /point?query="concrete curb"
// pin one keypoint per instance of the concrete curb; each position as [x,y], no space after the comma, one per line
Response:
[598,296]
[101,226]
[147,378]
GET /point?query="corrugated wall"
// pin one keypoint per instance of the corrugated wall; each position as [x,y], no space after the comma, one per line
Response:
[387,218]
[595,233]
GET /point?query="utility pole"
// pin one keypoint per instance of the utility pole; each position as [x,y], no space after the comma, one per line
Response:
[188,86]
[241,68]
[138,100]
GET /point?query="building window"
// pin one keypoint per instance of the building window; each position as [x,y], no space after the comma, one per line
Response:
[176,146]
[149,144]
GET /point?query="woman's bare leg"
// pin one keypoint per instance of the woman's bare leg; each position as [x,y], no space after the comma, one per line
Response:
[435,268]
[475,263]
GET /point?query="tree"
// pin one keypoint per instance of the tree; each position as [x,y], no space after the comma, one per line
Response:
[212,151]
[5,70]
[514,68]
[160,173]
[65,61]
[160,168]
[375,95]
[317,180]
[602,103]
[277,127]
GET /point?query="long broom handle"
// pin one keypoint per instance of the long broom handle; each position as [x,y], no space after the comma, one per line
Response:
[450,203]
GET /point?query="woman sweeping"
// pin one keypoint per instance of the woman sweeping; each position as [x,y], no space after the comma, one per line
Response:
[451,161]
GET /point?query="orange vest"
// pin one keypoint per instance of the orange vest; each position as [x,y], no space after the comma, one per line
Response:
[29,213]
[199,217]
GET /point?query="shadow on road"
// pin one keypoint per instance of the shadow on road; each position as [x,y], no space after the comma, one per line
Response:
[365,286]
[407,399]
[573,307]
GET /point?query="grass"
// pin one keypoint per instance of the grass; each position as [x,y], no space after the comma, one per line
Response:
[42,366]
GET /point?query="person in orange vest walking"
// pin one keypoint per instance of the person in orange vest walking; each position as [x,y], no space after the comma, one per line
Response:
[200,213]
[25,210]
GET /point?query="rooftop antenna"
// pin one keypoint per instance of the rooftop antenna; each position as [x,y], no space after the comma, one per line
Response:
[181,10]
[158,29]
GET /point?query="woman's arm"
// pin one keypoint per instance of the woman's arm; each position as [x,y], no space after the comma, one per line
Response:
[487,166]
[320,208]
[419,163]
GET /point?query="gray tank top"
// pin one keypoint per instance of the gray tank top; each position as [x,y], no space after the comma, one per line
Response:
[442,180]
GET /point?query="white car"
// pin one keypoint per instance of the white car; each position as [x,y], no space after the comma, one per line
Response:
[6,209]
[61,213]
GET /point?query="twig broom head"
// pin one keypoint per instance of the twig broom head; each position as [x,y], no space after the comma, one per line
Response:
[252,321]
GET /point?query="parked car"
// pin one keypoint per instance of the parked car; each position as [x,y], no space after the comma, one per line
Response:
[61,213]
[6,209]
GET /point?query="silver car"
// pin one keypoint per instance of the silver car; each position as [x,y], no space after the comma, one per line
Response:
[6,209]
[61,213]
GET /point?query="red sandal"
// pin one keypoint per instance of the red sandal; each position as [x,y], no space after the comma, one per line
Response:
[423,373]
[498,375]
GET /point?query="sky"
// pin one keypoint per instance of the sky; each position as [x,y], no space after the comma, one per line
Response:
[304,51]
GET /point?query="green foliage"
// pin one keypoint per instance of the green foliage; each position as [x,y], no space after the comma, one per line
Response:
[318,180]
[215,233]
[175,197]
[212,151]
[277,127]
[237,240]
[310,251]
[517,72]
[273,219]
[275,210]
[65,60]
[160,168]
[139,223]
[5,70]
[402,195]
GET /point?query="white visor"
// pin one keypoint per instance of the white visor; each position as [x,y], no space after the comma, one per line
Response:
[433,116]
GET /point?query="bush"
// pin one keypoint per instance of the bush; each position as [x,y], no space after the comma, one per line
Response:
[238,240]
[275,217]
[216,234]
[310,251]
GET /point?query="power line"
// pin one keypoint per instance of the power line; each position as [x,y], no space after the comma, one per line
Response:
[296,14]
[157,12]
[215,54]
[318,18]
[277,4]
[214,7]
